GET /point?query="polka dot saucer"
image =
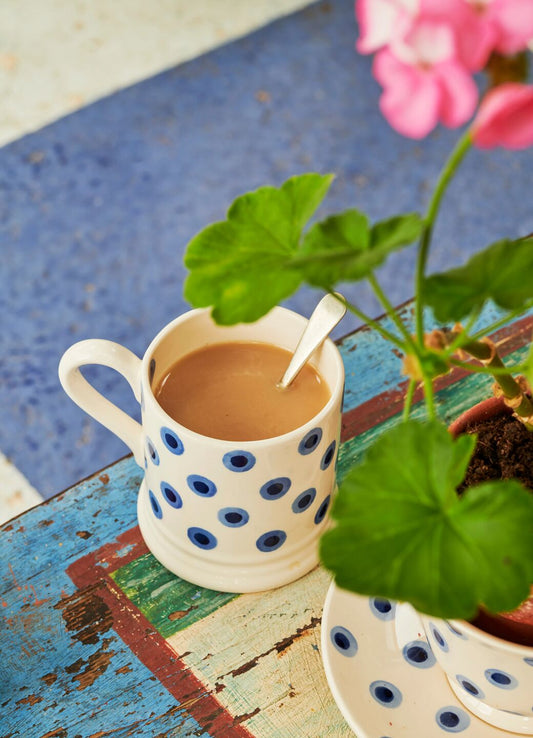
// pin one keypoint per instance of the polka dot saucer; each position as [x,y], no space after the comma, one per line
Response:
[384,691]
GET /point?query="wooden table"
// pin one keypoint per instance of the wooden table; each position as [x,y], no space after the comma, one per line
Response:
[98,639]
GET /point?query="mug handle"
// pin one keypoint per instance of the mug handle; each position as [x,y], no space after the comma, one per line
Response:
[124,361]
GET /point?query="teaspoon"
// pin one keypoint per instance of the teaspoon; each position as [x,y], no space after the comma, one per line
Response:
[325,317]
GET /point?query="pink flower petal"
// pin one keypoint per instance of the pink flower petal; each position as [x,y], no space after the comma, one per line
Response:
[394,75]
[428,42]
[441,8]
[514,19]
[380,20]
[411,98]
[505,118]
[459,94]
[387,67]
[476,37]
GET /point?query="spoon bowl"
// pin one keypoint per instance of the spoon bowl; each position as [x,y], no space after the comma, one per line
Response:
[327,314]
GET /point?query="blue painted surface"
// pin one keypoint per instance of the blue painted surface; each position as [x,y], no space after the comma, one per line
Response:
[97,208]
[382,368]
[40,665]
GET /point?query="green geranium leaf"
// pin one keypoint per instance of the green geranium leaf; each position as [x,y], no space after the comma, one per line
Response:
[501,272]
[396,232]
[345,248]
[402,531]
[241,266]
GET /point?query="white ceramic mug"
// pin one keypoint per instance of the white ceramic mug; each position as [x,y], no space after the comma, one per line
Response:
[231,516]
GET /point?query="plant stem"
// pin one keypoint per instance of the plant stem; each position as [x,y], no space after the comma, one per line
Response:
[376,326]
[408,400]
[391,311]
[429,396]
[501,322]
[512,391]
[447,173]
[493,371]
[470,323]
[462,335]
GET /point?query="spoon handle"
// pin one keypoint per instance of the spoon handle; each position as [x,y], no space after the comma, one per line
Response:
[325,317]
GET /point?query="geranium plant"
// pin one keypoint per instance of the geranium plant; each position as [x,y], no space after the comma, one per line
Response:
[402,529]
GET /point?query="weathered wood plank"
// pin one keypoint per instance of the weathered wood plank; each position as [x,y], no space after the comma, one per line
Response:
[63,667]
[168,602]
[262,652]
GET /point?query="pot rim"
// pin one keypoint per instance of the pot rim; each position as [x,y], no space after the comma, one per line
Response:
[484,410]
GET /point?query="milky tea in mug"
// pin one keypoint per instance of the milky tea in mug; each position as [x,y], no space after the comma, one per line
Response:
[230,391]
[231,514]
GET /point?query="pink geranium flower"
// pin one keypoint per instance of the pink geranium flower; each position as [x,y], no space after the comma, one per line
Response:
[505,118]
[480,26]
[424,82]
[484,26]
[427,50]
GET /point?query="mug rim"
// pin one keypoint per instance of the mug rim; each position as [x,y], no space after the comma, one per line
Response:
[296,432]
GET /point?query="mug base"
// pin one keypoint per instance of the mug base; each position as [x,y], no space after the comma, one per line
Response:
[508,721]
[223,576]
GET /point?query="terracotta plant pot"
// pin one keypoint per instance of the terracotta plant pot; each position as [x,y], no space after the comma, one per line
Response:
[516,626]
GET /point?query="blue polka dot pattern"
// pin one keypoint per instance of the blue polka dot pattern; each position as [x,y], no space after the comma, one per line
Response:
[439,639]
[275,488]
[419,654]
[382,608]
[233,517]
[152,452]
[528,661]
[304,500]
[156,507]
[171,441]
[328,456]
[201,486]
[202,538]
[170,495]
[310,441]
[386,693]
[322,510]
[456,632]
[501,679]
[238,461]
[452,719]
[271,541]
[469,686]
[343,640]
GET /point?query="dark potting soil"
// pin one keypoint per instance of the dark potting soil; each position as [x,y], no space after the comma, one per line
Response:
[504,450]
